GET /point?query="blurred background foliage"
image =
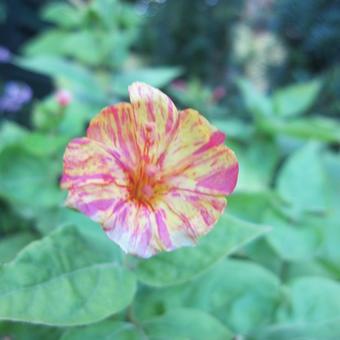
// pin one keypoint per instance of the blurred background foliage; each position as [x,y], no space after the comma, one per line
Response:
[266,73]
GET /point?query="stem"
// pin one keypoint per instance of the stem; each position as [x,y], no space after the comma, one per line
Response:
[284,271]
[131,318]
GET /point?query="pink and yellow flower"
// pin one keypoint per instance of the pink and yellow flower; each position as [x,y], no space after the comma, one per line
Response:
[154,177]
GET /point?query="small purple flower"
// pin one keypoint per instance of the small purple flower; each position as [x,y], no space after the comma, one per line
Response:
[5,55]
[14,96]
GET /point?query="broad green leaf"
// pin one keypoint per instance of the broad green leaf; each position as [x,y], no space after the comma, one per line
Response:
[156,76]
[28,182]
[316,267]
[234,128]
[331,232]
[39,144]
[295,99]
[68,75]
[258,104]
[179,324]
[257,161]
[240,294]
[250,206]
[311,300]
[329,330]
[12,244]
[48,43]
[114,14]
[182,265]
[67,278]
[295,241]
[332,168]
[186,324]
[261,252]
[35,143]
[10,133]
[302,180]
[10,221]
[63,14]
[90,41]
[18,330]
[50,219]
[316,128]
[105,330]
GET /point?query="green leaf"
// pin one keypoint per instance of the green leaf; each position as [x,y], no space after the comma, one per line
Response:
[311,300]
[250,206]
[69,75]
[39,144]
[47,43]
[10,133]
[10,245]
[182,265]
[174,325]
[252,177]
[156,76]
[302,182]
[67,278]
[316,128]
[240,294]
[104,330]
[331,250]
[94,44]
[63,14]
[17,331]
[295,241]
[186,324]
[234,128]
[27,181]
[256,102]
[329,330]
[261,252]
[296,99]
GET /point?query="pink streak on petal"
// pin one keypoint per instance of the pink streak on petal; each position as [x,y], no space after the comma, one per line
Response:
[163,230]
[208,218]
[91,208]
[223,180]
[145,239]
[216,139]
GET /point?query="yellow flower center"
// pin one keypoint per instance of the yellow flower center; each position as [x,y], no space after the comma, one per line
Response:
[146,186]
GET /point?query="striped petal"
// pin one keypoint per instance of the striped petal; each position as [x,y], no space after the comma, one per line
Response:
[94,179]
[156,119]
[116,128]
[132,227]
[177,221]
[185,216]
[197,159]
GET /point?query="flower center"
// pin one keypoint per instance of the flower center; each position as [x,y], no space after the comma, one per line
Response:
[146,186]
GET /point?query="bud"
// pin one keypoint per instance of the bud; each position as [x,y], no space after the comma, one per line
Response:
[218,93]
[63,97]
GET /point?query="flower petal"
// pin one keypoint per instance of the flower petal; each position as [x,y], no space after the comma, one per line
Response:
[156,119]
[178,220]
[95,181]
[115,127]
[188,216]
[132,228]
[197,159]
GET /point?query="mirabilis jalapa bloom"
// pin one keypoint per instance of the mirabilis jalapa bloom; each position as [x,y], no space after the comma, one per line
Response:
[155,178]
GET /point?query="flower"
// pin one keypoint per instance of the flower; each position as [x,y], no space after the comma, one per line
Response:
[5,55]
[15,96]
[154,177]
[63,97]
